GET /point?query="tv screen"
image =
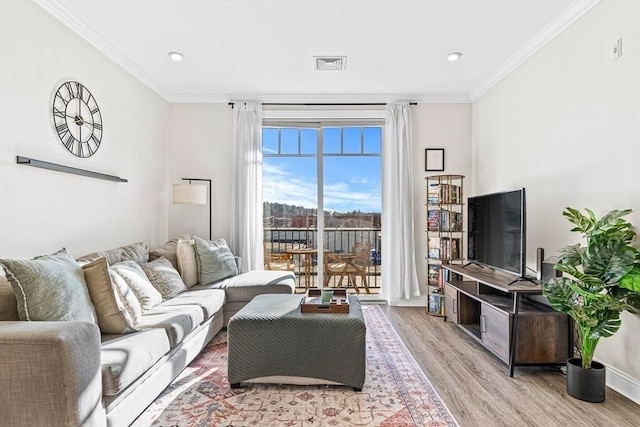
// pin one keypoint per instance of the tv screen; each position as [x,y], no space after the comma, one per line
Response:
[497,231]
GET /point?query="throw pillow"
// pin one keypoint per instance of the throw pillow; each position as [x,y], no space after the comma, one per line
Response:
[164,277]
[138,252]
[215,260]
[8,303]
[50,287]
[139,283]
[117,308]
[187,264]
[168,250]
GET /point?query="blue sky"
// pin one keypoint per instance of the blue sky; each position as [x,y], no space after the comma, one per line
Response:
[350,182]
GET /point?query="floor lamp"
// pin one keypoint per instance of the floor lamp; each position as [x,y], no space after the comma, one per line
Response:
[193,194]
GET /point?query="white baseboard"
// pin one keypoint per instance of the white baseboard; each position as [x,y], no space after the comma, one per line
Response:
[623,383]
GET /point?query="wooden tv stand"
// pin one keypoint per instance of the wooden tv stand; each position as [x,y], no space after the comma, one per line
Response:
[496,311]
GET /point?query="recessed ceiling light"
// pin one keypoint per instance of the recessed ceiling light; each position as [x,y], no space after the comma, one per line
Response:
[176,56]
[454,56]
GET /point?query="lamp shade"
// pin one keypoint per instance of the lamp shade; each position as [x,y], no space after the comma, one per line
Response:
[190,194]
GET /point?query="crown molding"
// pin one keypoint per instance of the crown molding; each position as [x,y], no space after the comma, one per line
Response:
[428,98]
[570,15]
[66,17]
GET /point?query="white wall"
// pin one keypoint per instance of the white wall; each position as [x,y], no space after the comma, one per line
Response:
[566,126]
[42,211]
[201,146]
[445,126]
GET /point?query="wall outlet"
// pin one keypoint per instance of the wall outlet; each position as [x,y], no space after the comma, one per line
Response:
[616,51]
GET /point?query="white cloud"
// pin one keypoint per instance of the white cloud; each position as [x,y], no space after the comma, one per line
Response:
[279,185]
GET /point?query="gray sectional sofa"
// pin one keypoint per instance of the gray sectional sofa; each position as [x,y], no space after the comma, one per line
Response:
[69,373]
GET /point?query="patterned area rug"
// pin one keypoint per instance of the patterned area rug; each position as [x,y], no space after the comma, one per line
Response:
[396,392]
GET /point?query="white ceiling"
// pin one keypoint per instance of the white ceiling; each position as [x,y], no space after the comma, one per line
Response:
[263,49]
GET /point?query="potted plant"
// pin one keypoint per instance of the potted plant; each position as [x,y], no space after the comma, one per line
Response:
[600,280]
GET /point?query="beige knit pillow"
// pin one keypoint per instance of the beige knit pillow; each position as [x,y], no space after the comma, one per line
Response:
[187,264]
[117,308]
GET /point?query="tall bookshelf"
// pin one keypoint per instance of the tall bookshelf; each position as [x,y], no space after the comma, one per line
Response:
[444,196]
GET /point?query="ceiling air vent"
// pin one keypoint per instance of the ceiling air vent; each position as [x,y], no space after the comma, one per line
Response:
[330,62]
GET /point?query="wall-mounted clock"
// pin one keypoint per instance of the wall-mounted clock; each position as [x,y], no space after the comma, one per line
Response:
[77,119]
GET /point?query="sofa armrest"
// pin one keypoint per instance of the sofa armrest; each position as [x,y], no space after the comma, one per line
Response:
[50,374]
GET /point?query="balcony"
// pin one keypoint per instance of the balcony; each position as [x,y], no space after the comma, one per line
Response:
[336,240]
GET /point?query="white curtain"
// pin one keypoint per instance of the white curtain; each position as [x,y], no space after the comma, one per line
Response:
[399,276]
[246,209]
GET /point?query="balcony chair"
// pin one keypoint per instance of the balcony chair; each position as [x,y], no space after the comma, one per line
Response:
[352,265]
[278,261]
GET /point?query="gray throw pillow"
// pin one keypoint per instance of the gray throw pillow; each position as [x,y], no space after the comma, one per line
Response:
[215,260]
[138,252]
[50,288]
[164,277]
[167,250]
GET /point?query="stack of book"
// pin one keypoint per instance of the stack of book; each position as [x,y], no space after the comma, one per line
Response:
[444,220]
[436,275]
[443,193]
[444,248]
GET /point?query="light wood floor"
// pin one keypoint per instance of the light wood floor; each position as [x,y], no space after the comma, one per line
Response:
[477,389]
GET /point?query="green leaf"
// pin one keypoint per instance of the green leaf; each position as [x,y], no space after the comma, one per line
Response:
[609,260]
[632,280]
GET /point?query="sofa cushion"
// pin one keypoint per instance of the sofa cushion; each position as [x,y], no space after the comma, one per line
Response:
[117,308]
[209,300]
[177,321]
[138,252]
[8,303]
[187,264]
[215,260]
[245,286]
[167,250]
[137,280]
[164,277]
[50,287]
[125,357]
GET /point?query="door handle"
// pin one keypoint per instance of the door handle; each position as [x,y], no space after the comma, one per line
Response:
[483,323]
[455,306]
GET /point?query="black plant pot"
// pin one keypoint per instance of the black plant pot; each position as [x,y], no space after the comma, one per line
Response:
[586,384]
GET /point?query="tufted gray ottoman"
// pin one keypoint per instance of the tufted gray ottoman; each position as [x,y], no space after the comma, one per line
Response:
[271,341]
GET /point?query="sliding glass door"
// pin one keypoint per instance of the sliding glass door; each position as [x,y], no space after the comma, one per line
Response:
[335,170]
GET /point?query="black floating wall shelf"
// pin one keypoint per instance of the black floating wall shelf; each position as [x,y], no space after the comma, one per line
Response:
[67,169]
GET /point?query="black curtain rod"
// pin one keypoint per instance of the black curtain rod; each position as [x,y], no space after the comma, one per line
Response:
[329,104]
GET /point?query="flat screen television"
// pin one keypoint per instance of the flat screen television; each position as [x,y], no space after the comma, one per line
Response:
[497,231]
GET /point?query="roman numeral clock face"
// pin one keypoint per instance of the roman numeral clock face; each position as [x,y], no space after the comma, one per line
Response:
[77,119]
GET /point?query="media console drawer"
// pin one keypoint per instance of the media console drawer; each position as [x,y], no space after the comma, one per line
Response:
[494,327]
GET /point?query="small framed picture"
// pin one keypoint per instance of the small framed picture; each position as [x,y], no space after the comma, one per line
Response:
[434,159]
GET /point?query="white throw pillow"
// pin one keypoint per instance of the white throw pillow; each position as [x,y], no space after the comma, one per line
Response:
[187,264]
[137,280]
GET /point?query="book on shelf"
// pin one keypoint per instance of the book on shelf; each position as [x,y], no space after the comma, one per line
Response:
[434,248]
[437,275]
[443,193]
[444,220]
[433,194]
[433,274]
[449,248]
[433,220]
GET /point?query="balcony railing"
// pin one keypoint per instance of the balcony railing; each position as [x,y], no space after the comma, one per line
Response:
[336,240]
